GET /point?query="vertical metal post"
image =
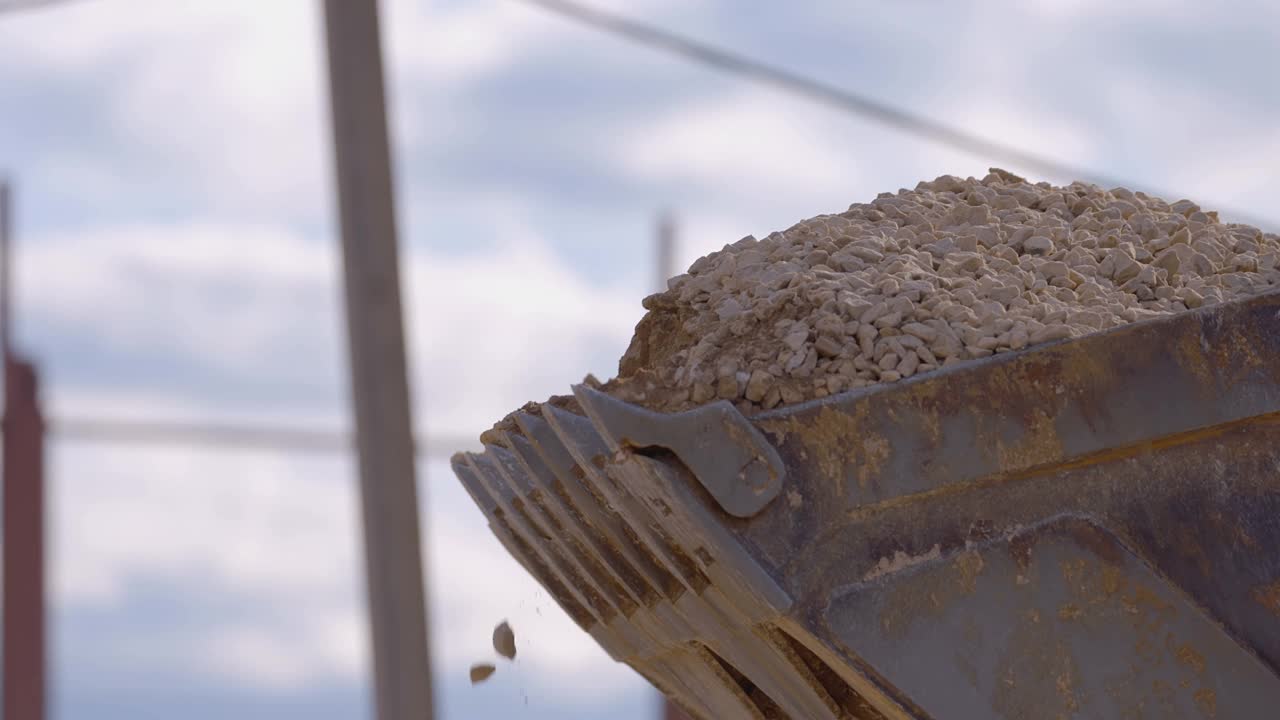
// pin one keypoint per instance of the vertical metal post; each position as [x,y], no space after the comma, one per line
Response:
[6,277]
[24,630]
[379,382]
[23,515]
[666,267]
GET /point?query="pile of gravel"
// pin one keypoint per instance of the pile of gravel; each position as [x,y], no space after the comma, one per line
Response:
[954,270]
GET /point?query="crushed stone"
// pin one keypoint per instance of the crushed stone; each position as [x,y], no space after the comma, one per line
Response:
[952,271]
[481,672]
[504,640]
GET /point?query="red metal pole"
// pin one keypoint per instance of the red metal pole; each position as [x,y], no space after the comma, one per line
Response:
[23,454]
[22,451]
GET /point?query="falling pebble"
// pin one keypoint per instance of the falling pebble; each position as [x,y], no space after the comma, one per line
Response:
[481,672]
[504,641]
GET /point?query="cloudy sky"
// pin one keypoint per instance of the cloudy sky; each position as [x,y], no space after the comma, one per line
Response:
[177,260]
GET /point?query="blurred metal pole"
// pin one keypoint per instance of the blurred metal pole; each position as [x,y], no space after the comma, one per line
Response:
[379,382]
[23,497]
[666,267]
[6,277]
[23,515]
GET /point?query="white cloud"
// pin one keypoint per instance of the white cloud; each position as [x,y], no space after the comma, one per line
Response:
[258,553]
[1218,151]
[1237,168]
[78,38]
[225,104]
[437,44]
[220,101]
[235,518]
[760,164]
[496,330]
[229,296]
[258,655]
[488,332]
[442,43]
[274,542]
[749,143]
[1006,121]
[277,533]
[1099,10]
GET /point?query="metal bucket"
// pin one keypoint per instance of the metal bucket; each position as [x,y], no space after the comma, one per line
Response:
[1084,529]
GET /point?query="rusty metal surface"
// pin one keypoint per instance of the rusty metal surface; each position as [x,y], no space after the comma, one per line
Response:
[1059,620]
[1124,488]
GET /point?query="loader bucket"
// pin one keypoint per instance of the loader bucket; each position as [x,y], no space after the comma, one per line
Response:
[1087,529]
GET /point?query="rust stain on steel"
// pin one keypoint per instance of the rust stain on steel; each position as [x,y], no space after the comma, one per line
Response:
[1038,444]
[967,566]
[930,594]
[1109,455]
[1031,394]
[836,440]
[795,499]
[1268,596]
[1037,673]
[1207,700]
[741,437]
[900,560]
[1073,572]
[1192,353]
[1065,683]
[1020,550]
[1239,352]
[1017,412]
[1111,578]
[1069,611]
[928,397]
[1188,656]
[877,451]
[1097,587]
[1100,587]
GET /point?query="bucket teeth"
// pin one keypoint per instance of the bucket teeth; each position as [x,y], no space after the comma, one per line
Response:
[525,553]
[589,449]
[591,524]
[588,552]
[536,543]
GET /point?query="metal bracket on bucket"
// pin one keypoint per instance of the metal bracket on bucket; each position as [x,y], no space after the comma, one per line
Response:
[725,452]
